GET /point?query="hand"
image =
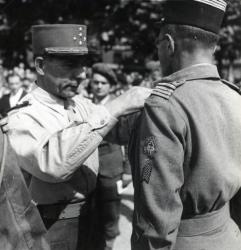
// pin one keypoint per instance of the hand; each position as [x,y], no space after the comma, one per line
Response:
[78,196]
[4,124]
[127,179]
[129,102]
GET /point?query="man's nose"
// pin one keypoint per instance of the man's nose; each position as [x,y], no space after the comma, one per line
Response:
[100,84]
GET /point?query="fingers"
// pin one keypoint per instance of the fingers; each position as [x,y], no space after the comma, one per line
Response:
[79,196]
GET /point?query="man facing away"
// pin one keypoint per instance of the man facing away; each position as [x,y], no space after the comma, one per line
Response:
[57,134]
[185,149]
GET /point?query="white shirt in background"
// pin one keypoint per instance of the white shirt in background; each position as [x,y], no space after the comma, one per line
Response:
[15,98]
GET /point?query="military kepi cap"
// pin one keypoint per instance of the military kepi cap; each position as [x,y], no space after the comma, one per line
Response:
[204,14]
[64,39]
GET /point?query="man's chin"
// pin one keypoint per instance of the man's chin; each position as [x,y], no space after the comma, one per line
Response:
[101,95]
[69,94]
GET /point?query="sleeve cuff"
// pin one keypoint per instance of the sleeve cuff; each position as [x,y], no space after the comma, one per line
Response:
[106,129]
[101,118]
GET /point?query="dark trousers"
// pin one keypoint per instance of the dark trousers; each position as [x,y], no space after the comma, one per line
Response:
[107,212]
[67,233]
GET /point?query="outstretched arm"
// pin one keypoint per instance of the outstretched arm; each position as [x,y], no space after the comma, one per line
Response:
[55,157]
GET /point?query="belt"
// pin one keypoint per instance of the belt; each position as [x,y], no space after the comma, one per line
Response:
[62,211]
[205,223]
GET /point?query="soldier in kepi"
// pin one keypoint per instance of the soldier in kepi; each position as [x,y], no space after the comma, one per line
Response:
[185,149]
[56,133]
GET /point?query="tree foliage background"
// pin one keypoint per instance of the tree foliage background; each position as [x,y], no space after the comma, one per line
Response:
[126,26]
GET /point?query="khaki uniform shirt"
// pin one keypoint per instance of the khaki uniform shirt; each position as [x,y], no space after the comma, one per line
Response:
[53,142]
[186,156]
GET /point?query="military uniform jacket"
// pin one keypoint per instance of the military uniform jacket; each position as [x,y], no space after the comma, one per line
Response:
[58,145]
[185,154]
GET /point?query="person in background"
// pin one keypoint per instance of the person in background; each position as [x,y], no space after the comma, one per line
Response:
[28,80]
[27,84]
[16,93]
[19,70]
[83,80]
[114,166]
[152,75]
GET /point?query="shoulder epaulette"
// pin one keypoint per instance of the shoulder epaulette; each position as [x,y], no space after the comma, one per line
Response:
[165,90]
[231,85]
[18,106]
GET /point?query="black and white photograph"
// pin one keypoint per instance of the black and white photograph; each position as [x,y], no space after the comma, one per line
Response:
[120,125]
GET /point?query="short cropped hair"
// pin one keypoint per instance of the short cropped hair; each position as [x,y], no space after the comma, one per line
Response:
[194,36]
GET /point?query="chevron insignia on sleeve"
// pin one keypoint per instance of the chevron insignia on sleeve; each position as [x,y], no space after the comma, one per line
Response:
[146,172]
[165,90]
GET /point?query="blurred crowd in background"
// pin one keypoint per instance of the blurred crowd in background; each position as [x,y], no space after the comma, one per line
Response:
[122,31]
[20,77]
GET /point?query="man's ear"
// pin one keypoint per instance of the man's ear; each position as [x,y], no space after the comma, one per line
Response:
[39,65]
[171,44]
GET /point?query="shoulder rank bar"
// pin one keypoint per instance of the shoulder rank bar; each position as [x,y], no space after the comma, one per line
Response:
[165,90]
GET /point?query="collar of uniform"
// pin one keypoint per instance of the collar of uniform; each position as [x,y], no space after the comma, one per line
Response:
[197,71]
[49,100]
[103,101]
